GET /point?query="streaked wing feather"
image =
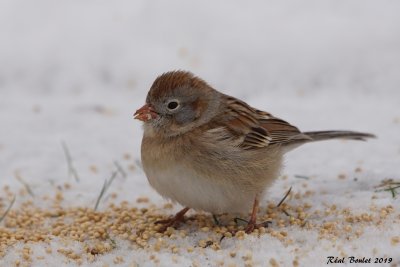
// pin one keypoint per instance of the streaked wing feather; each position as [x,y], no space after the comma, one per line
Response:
[282,131]
[243,120]
[254,128]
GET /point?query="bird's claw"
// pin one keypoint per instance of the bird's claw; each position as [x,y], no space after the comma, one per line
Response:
[252,225]
[171,222]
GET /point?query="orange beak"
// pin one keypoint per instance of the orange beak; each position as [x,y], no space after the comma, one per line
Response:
[145,113]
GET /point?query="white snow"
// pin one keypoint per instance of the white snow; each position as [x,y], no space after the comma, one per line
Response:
[75,71]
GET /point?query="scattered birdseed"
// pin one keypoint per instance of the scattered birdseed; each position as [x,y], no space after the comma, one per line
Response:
[205,229]
[101,231]
[395,240]
[118,260]
[273,262]
[248,255]
[131,167]
[168,206]
[93,168]
[142,200]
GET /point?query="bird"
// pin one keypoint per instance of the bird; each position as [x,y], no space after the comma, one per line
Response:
[212,152]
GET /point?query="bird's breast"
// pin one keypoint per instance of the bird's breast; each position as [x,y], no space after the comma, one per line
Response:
[208,176]
[171,172]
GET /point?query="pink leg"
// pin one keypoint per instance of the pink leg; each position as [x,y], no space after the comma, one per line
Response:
[174,221]
[252,224]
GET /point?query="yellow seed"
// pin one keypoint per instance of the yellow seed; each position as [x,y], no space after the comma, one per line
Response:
[215,246]
[240,233]
[205,229]
[273,262]
[142,200]
[347,228]
[248,255]
[168,206]
[228,234]
[202,243]
[358,169]
[395,240]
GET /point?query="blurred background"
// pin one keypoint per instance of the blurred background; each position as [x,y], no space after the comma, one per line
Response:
[87,46]
[75,71]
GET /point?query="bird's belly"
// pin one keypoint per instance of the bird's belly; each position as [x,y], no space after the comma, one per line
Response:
[199,192]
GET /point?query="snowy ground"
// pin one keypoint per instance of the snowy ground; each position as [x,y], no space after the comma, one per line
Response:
[75,72]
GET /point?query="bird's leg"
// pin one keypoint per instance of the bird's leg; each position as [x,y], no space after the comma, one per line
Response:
[173,221]
[252,224]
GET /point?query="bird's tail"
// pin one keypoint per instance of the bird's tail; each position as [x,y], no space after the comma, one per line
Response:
[326,135]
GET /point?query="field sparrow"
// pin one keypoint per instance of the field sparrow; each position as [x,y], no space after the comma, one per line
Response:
[212,152]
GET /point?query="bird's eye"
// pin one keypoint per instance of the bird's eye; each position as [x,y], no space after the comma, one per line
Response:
[173,105]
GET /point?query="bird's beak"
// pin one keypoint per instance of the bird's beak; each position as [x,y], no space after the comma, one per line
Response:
[145,113]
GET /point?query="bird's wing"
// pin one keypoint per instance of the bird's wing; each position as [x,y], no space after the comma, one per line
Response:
[280,131]
[249,128]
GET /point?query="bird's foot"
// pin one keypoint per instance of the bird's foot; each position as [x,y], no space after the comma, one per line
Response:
[173,221]
[252,225]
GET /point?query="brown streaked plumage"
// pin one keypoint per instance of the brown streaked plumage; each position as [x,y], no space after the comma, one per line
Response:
[210,151]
